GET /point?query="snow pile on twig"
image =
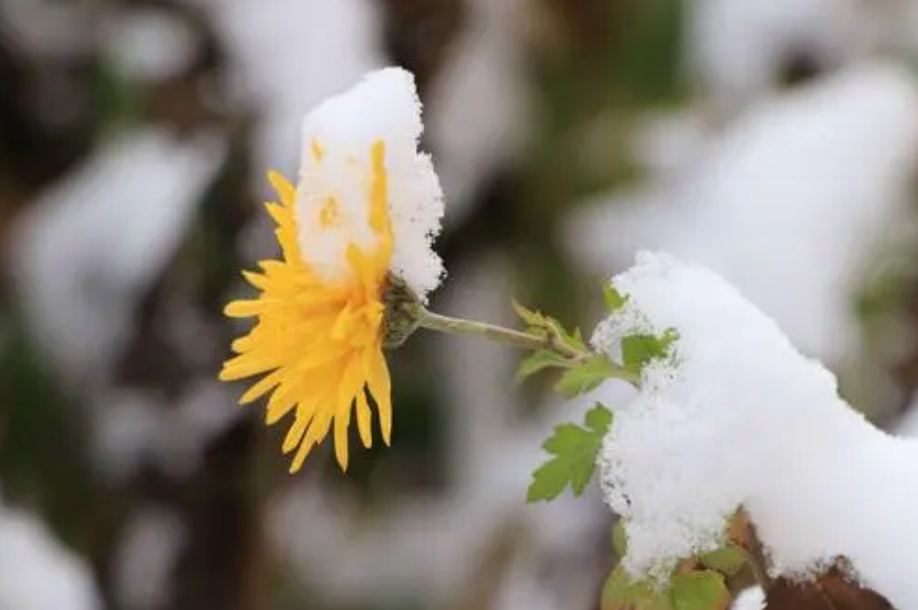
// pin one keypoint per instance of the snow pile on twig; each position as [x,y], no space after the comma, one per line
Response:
[736,416]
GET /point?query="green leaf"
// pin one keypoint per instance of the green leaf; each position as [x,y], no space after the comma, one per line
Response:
[620,592]
[530,317]
[727,560]
[574,449]
[704,590]
[639,350]
[619,538]
[539,361]
[613,299]
[547,326]
[585,376]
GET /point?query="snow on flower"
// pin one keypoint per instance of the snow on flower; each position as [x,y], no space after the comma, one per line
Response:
[367,205]
[737,416]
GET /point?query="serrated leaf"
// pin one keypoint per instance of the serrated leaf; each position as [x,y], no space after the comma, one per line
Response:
[727,560]
[639,350]
[599,419]
[539,361]
[619,538]
[585,376]
[620,592]
[704,590]
[613,299]
[571,339]
[530,317]
[574,449]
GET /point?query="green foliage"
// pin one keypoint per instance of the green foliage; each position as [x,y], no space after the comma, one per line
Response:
[546,326]
[703,590]
[620,592]
[639,350]
[727,560]
[619,538]
[539,361]
[693,590]
[586,376]
[574,449]
[612,298]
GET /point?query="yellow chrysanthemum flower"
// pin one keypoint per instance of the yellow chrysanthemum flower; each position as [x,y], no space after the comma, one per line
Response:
[366,207]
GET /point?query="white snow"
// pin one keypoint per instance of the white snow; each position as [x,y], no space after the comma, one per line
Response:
[149,45]
[94,241]
[336,169]
[47,29]
[752,598]
[478,106]
[37,572]
[146,559]
[794,198]
[736,49]
[737,416]
[134,429]
[286,57]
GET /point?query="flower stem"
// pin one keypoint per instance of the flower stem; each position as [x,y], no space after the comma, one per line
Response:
[508,336]
[446,324]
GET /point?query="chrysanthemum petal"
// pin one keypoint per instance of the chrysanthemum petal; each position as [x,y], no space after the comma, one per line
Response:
[286,192]
[364,419]
[261,388]
[246,365]
[318,429]
[278,213]
[294,435]
[381,389]
[351,385]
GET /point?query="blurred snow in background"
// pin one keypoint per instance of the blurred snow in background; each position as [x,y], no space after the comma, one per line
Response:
[791,203]
[93,243]
[37,572]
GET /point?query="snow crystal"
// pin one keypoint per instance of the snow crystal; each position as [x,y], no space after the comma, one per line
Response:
[736,416]
[338,136]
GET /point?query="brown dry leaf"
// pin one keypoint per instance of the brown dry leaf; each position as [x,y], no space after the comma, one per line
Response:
[832,591]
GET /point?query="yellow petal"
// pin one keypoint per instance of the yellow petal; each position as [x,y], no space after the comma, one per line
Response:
[317,431]
[351,385]
[381,389]
[364,419]
[247,309]
[379,187]
[285,191]
[295,434]
[278,213]
[344,323]
[262,387]
[244,366]
[255,279]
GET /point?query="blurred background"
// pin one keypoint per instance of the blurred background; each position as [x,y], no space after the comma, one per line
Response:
[775,141]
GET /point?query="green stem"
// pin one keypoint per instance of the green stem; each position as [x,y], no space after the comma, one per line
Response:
[446,324]
[508,336]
